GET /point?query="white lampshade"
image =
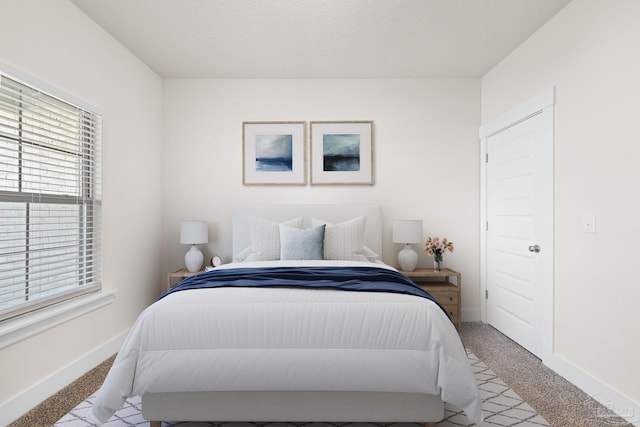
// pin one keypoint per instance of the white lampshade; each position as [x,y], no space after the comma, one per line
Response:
[407,231]
[194,233]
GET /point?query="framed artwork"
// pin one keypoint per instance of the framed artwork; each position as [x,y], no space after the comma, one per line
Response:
[274,153]
[342,152]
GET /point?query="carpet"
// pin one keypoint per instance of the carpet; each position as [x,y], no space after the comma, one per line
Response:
[501,406]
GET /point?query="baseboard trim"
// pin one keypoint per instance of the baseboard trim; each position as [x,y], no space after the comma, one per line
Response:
[23,402]
[471,315]
[608,397]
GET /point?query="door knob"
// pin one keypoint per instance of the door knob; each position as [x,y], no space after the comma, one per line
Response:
[534,248]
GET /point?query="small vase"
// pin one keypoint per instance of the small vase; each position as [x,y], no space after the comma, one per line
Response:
[437,265]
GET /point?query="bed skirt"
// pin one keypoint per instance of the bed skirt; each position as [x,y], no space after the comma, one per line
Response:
[294,406]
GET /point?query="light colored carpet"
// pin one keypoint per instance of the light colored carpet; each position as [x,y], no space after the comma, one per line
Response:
[555,399]
[501,406]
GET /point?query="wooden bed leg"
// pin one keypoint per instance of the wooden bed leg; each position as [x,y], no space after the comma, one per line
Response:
[155,423]
[430,424]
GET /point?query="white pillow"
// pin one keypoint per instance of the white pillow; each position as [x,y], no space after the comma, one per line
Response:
[242,255]
[265,238]
[345,240]
[370,254]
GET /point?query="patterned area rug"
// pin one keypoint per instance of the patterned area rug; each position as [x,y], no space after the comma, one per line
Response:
[501,406]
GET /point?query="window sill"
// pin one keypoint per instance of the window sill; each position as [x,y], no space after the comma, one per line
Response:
[22,327]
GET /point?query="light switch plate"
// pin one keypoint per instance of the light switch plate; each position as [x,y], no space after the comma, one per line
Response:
[589,223]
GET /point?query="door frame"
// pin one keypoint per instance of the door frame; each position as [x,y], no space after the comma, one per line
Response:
[542,102]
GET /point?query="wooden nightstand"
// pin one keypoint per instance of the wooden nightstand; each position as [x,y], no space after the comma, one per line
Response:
[439,285]
[177,276]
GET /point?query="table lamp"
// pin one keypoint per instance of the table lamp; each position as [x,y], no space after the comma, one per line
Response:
[407,231]
[194,233]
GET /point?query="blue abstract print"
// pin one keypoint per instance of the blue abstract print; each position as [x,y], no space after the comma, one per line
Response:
[341,152]
[274,153]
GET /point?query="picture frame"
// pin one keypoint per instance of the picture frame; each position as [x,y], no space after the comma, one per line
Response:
[342,152]
[274,153]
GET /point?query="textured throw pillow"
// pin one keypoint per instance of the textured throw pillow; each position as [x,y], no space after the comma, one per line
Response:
[265,238]
[370,255]
[242,255]
[343,241]
[297,244]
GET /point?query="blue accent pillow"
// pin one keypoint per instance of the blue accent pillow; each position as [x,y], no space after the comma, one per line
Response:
[301,244]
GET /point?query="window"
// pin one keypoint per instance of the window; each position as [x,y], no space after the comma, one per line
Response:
[50,199]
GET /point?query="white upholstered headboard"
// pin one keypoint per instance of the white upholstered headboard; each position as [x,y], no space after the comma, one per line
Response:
[329,213]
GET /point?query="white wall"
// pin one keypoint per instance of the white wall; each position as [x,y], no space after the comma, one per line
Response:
[425,145]
[589,51]
[52,41]
[175,147]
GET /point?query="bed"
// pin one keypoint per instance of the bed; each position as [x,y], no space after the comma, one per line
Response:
[340,337]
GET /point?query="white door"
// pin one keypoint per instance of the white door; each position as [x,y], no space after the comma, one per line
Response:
[519,231]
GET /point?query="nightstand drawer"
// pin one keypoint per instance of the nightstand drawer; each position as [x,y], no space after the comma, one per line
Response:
[452,311]
[445,297]
[444,286]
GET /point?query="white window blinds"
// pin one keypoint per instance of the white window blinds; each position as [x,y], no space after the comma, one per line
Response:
[50,200]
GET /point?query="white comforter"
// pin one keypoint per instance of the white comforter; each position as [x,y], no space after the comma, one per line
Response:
[231,339]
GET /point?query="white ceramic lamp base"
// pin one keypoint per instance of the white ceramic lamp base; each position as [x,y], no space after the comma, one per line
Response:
[407,258]
[193,259]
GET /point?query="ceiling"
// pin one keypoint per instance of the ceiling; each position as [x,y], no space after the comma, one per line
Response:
[320,38]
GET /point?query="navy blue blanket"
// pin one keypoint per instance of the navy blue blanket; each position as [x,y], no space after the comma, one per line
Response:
[367,279]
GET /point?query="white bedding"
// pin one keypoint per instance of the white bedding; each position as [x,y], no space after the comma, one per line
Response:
[241,339]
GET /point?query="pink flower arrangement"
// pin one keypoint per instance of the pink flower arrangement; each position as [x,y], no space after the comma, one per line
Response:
[436,248]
